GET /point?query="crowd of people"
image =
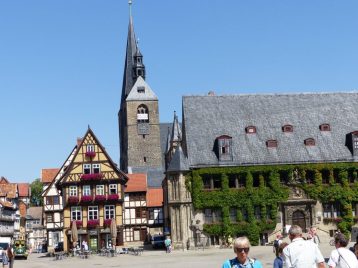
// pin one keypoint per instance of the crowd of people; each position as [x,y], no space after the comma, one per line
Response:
[300,253]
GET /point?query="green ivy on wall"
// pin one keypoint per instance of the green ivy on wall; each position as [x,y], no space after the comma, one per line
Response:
[269,193]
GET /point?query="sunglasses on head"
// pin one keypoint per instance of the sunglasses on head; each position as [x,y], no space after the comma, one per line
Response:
[246,250]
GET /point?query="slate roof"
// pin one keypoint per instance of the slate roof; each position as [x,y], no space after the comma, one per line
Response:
[208,117]
[155,175]
[179,162]
[147,95]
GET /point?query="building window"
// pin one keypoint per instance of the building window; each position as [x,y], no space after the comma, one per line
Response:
[112,188]
[217,182]
[211,181]
[141,89]
[271,143]
[217,215]
[245,215]
[93,212]
[355,142]
[325,127]
[73,190]
[99,189]
[309,177]
[49,217]
[287,128]
[56,200]
[86,168]
[355,209]
[325,176]
[90,148]
[86,190]
[206,181]
[257,213]
[250,130]
[76,214]
[208,216]
[310,142]
[96,168]
[145,159]
[140,213]
[233,214]
[224,148]
[142,114]
[137,197]
[233,181]
[331,210]
[109,212]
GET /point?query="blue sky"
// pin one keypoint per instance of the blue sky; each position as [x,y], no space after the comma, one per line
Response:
[61,63]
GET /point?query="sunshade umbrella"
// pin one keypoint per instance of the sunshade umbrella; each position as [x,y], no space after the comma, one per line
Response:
[113,229]
[74,233]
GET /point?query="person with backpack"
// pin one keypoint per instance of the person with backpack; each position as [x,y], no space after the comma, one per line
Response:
[241,248]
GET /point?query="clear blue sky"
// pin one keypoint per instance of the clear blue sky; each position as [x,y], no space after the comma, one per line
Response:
[61,63]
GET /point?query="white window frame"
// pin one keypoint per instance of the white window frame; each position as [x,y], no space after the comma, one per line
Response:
[96,168]
[90,148]
[76,213]
[86,190]
[100,189]
[109,212]
[93,212]
[72,190]
[112,187]
[87,169]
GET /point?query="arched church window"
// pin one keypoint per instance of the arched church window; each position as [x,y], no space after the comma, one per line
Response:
[142,114]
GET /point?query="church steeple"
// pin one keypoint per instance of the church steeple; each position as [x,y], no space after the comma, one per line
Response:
[133,66]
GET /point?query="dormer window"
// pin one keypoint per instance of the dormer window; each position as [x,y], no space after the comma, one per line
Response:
[287,128]
[224,143]
[271,143]
[324,127]
[250,130]
[141,89]
[310,142]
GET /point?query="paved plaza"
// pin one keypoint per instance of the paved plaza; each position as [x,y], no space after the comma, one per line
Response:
[213,257]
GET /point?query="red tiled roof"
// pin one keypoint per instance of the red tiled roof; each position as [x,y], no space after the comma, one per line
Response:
[48,174]
[23,189]
[137,182]
[8,190]
[6,204]
[3,180]
[155,197]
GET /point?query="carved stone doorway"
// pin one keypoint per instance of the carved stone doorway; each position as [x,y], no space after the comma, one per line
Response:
[298,218]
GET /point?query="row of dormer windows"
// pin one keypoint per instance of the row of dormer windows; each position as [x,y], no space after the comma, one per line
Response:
[287,128]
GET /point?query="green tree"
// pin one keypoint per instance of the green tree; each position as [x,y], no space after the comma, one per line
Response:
[36,191]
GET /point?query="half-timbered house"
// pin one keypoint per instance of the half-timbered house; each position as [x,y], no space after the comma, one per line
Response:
[92,191]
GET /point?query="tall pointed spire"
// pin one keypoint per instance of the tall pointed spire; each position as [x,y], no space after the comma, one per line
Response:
[176,130]
[133,66]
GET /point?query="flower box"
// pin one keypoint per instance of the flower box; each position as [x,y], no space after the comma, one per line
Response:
[91,154]
[91,177]
[72,199]
[78,223]
[107,222]
[112,197]
[100,198]
[92,223]
[86,198]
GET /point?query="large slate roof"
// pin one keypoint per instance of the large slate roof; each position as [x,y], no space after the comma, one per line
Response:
[208,117]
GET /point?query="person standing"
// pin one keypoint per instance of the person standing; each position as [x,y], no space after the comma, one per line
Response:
[315,238]
[301,253]
[168,244]
[276,244]
[10,256]
[5,260]
[278,262]
[341,257]
[242,248]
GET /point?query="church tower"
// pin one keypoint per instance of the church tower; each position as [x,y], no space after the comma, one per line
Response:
[139,129]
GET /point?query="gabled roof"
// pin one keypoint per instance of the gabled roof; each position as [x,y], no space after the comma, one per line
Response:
[121,175]
[8,190]
[137,182]
[6,204]
[207,117]
[147,95]
[48,174]
[35,212]
[24,189]
[155,197]
[3,180]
